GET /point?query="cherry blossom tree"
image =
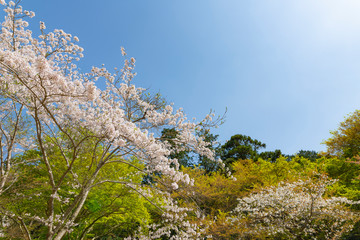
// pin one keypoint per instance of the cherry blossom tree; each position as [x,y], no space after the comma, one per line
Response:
[49,105]
[295,210]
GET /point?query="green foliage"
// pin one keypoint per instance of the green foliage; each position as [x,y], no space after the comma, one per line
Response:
[112,210]
[348,175]
[345,142]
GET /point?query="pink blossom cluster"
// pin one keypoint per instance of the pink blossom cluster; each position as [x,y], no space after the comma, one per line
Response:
[295,209]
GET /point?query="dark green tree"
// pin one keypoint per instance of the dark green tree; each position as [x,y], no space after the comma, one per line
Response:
[271,155]
[240,147]
[309,154]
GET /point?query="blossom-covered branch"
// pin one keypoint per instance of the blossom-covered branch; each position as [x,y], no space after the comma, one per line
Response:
[50,106]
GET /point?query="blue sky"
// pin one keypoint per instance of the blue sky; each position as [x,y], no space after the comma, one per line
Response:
[287,71]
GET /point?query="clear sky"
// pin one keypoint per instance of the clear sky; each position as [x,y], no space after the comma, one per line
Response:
[287,71]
